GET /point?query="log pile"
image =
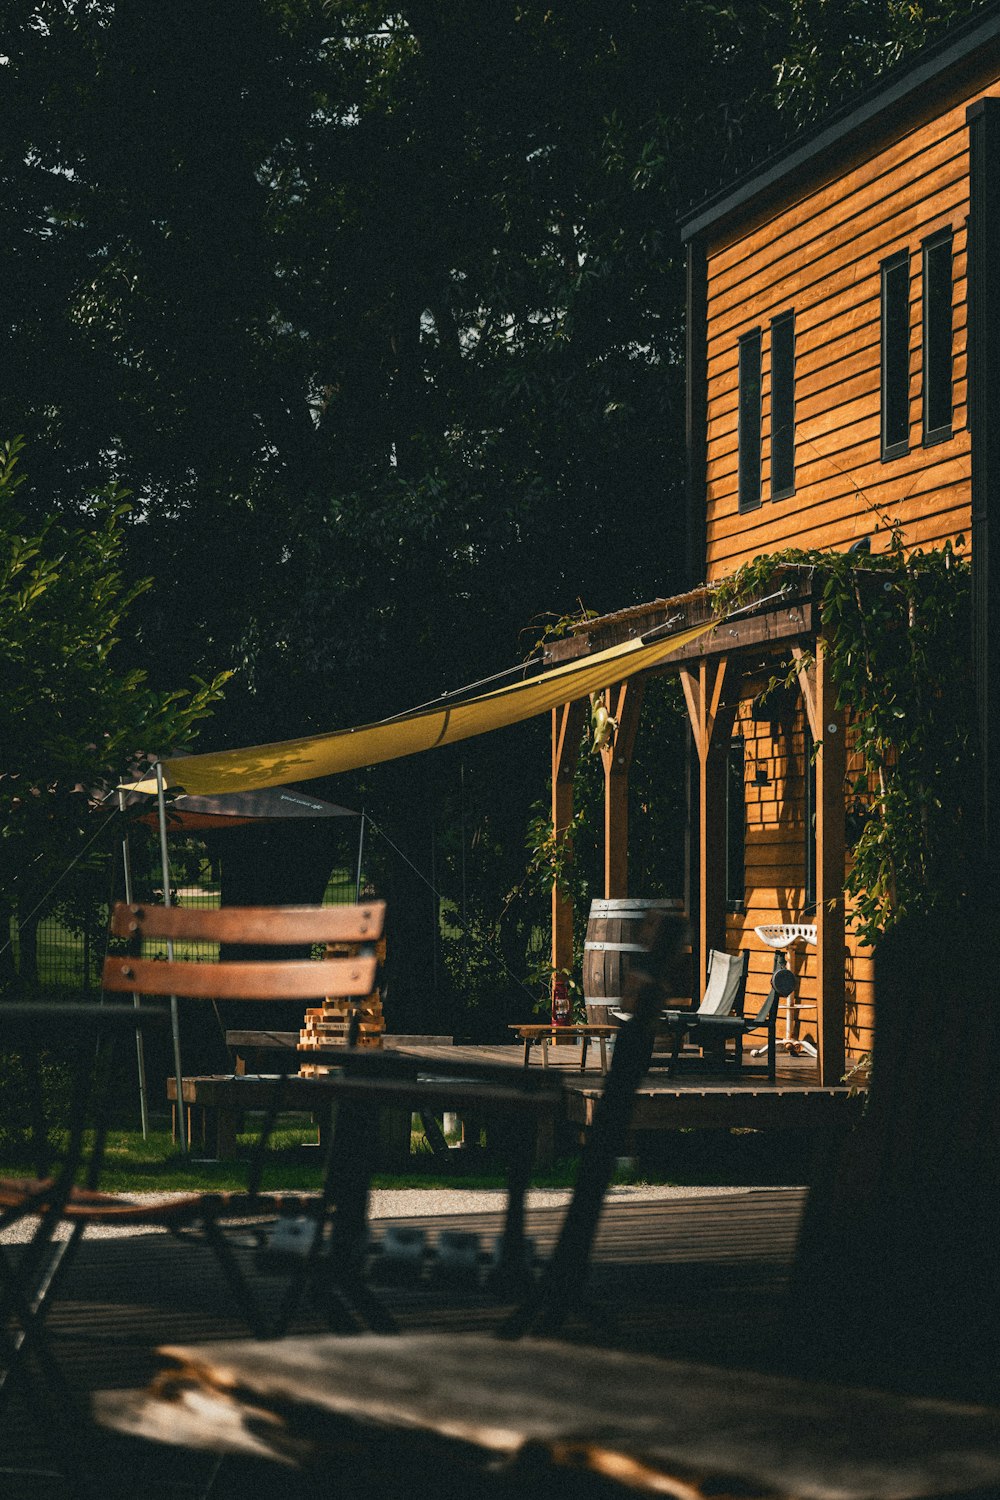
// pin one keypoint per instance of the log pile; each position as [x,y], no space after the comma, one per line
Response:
[327,1025]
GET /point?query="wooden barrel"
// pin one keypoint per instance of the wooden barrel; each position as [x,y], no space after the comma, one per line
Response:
[611,946]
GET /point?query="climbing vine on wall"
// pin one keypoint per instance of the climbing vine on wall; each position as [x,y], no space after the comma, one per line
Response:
[897,628]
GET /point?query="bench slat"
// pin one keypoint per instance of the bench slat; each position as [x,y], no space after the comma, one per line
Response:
[279,979]
[252,924]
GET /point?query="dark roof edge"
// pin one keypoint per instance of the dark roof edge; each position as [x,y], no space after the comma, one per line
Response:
[933,66]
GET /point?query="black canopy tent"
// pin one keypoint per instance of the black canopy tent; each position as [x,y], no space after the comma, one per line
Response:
[233,809]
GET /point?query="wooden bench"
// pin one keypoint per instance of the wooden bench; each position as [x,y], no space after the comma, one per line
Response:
[530,1034]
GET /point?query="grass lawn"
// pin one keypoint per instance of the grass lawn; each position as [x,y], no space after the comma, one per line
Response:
[684,1158]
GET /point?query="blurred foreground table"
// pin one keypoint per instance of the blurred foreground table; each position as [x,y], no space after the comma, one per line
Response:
[498,1410]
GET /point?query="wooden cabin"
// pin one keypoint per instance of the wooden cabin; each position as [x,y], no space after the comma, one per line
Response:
[843,323]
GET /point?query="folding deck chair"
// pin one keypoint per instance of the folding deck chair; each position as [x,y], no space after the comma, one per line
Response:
[542,1310]
[713,1032]
[720,1018]
[725,987]
[335,1218]
[30,1274]
[206,1215]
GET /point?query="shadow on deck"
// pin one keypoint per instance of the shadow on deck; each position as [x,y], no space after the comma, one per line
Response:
[695,1277]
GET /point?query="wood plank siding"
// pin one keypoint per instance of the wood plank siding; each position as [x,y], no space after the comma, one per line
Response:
[819,256]
[829,247]
[777,836]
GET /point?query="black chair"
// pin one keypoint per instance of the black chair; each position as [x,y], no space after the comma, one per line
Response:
[542,1310]
[329,1231]
[31,1273]
[520,1098]
[712,1032]
[657,973]
[725,989]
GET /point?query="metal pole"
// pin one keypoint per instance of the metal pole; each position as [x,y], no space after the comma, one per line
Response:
[361,850]
[175,1026]
[435,913]
[140,1056]
[461,780]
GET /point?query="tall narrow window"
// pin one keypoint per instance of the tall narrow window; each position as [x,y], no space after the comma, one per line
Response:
[749,421]
[937,337]
[783,406]
[896,355]
[736,817]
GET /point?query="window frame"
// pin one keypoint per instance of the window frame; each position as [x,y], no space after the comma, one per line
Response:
[941,431]
[787,393]
[749,423]
[809,821]
[736,824]
[899,261]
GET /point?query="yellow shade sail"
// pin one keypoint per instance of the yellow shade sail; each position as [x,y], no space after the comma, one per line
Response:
[370,744]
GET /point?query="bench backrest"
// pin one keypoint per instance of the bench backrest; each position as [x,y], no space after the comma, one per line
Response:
[266,979]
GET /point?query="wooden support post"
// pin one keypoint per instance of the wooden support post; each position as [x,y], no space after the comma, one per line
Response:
[567,726]
[711,713]
[624,703]
[826,723]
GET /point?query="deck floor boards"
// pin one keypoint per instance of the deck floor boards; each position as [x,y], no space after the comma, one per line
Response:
[698,1277]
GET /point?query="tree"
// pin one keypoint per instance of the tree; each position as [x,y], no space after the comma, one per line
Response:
[379,313]
[72,720]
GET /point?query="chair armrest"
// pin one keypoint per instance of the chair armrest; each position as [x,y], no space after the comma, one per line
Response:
[730,1025]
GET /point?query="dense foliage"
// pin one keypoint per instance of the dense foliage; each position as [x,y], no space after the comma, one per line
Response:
[72,719]
[897,628]
[378,313]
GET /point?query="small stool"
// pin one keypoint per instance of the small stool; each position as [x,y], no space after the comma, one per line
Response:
[544,1034]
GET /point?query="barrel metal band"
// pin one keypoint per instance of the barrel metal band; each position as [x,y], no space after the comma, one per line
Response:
[615,947]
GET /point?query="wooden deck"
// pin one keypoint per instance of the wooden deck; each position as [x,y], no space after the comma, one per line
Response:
[692,1099]
[697,1277]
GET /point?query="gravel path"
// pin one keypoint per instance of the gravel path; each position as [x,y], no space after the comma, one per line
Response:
[408,1203]
[404,1203]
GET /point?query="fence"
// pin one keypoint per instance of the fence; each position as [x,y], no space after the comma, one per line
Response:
[69,939]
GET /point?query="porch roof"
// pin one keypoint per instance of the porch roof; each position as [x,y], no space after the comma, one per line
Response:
[788,612]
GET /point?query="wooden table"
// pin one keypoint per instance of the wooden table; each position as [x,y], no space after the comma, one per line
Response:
[545,1034]
[527,1412]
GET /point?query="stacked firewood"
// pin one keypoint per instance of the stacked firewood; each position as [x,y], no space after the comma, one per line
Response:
[327,1025]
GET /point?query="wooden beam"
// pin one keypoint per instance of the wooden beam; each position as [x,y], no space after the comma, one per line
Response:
[779,623]
[831,761]
[805,668]
[567,727]
[711,711]
[624,703]
[984,429]
[696,411]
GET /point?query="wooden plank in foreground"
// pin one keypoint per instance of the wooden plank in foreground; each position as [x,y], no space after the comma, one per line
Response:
[643,1421]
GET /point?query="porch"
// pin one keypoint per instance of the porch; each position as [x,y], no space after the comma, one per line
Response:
[723,673]
[691,1100]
